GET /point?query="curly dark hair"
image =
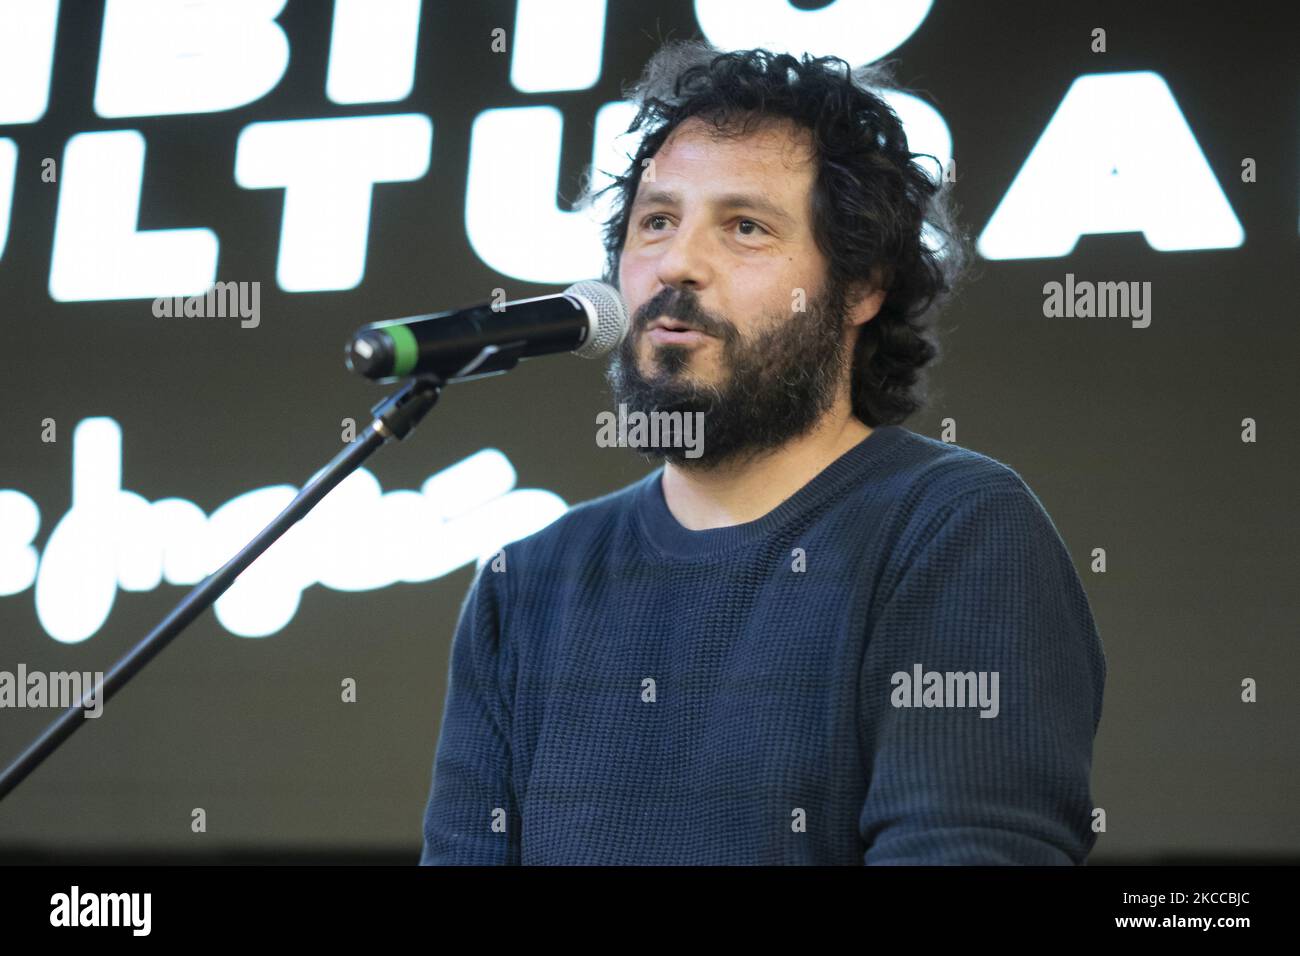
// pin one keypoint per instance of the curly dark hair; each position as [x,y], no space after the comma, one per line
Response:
[871,199]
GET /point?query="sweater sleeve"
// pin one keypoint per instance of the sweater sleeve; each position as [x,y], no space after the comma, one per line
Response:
[990,589]
[472,816]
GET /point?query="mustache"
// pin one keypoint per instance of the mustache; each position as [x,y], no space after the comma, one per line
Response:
[685,308]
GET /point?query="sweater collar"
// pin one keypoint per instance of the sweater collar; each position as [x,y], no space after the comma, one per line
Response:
[668,536]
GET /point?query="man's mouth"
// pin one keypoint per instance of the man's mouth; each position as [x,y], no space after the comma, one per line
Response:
[667,331]
[672,325]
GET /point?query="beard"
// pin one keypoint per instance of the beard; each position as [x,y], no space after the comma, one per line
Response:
[772,387]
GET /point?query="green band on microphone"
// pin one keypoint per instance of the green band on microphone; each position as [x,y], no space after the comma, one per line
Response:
[405,350]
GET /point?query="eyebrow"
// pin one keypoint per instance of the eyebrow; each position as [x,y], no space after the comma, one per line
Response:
[667,197]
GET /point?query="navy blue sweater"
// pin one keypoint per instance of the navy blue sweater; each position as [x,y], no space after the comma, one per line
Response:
[896,665]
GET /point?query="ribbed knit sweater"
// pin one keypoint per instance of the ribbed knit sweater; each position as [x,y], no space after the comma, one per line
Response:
[896,665]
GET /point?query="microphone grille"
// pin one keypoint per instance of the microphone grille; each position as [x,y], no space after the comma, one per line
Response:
[606,303]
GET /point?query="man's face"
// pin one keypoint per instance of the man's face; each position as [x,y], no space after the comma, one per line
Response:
[721,242]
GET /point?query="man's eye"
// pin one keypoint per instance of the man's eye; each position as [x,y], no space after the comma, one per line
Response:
[649,220]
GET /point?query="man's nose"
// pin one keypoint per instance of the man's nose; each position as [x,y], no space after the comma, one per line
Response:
[686,261]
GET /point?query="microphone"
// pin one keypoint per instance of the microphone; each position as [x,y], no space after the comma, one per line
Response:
[588,318]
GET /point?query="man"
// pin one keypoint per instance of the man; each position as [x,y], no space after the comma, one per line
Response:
[825,639]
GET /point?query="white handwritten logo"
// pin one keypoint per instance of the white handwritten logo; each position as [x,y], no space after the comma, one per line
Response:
[358,538]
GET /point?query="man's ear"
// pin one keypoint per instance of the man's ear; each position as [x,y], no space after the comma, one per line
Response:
[866,297]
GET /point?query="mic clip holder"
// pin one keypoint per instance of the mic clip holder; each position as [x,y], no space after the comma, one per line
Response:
[398,414]
[490,360]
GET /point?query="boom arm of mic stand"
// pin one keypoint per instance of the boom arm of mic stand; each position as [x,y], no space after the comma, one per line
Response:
[395,417]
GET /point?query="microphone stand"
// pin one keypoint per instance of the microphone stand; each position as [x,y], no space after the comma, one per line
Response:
[395,417]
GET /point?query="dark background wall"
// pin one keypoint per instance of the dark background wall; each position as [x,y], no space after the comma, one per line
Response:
[1131,437]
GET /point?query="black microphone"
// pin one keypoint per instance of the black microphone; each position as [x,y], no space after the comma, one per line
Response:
[588,318]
